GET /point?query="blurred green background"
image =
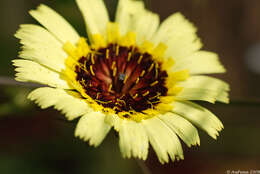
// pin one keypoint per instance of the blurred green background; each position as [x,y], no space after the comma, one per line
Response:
[41,141]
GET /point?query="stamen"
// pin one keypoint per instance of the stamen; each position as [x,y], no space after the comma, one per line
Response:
[151,67]
[154,83]
[145,94]
[81,67]
[98,53]
[140,59]
[133,48]
[84,69]
[137,80]
[155,102]
[103,102]
[117,50]
[83,81]
[79,64]
[98,94]
[114,48]
[116,108]
[150,104]
[122,96]
[85,64]
[114,72]
[129,56]
[88,55]
[156,70]
[126,77]
[92,58]
[110,87]
[142,74]
[113,64]
[156,96]
[91,70]
[122,101]
[118,104]
[132,110]
[107,53]
[135,96]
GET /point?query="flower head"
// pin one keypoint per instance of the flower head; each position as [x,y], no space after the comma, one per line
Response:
[133,75]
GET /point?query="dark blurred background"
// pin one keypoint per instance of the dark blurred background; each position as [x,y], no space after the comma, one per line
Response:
[40,141]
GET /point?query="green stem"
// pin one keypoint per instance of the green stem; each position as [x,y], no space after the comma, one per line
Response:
[8,81]
[143,166]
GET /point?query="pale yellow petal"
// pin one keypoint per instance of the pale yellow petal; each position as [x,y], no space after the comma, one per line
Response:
[95,16]
[208,83]
[199,116]
[201,62]
[92,127]
[197,94]
[163,140]
[145,26]
[55,23]
[132,16]
[133,140]
[183,128]
[68,102]
[179,35]
[40,46]
[126,9]
[114,121]
[223,97]
[29,71]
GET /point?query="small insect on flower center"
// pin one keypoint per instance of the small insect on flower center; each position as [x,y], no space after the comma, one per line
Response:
[122,78]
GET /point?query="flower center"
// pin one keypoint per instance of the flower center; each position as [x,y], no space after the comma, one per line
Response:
[117,75]
[122,78]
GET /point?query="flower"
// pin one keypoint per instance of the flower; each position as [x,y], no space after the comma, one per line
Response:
[133,75]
